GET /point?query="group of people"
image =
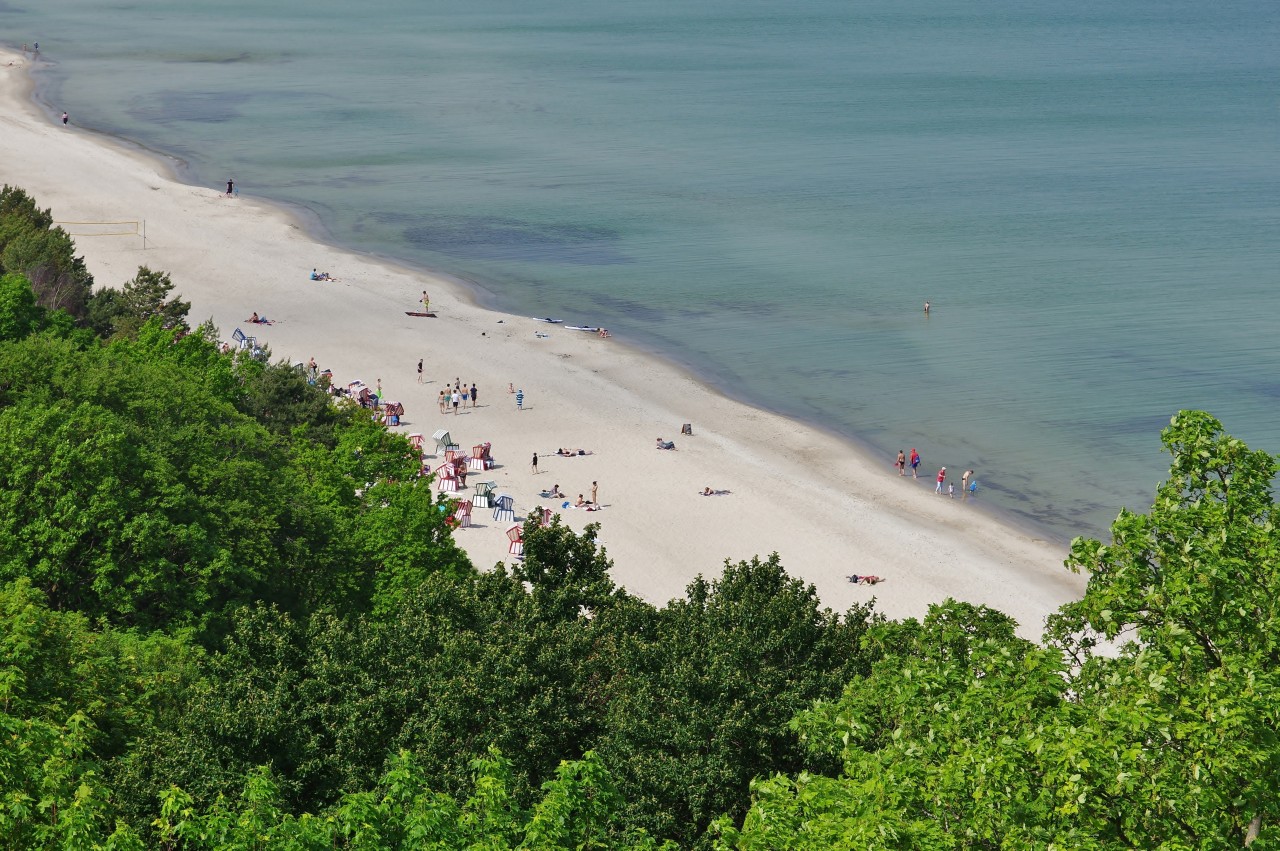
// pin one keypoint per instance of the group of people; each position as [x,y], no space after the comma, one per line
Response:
[457,397]
[968,483]
[321,276]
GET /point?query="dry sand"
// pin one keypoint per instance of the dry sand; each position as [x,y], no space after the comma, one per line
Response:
[826,508]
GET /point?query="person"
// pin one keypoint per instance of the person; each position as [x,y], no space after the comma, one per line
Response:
[535,463]
[65,117]
[942,477]
[901,463]
[707,491]
[951,489]
[579,502]
[254,318]
[426,302]
[466,394]
[378,383]
[864,580]
[964,482]
[313,367]
[666,444]
[419,370]
[915,463]
[442,402]
[926,308]
[519,400]
[973,487]
[511,388]
[457,400]
[602,332]
[555,491]
[595,490]
[473,394]
[231,187]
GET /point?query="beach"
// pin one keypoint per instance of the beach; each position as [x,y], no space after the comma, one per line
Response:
[827,509]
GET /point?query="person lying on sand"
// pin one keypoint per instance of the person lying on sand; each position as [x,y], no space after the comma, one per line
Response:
[710,492]
[572,453]
[666,444]
[321,276]
[864,580]
[260,320]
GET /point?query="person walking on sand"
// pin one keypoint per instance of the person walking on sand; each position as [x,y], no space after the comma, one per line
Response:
[519,400]
[65,118]
[535,463]
[964,482]
[901,463]
[419,370]
[473,394]
[915,463]
[595,493]
[942,477]
[457,400]
[440,399]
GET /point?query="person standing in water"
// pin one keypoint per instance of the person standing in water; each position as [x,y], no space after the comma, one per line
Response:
[65,118]
[964,482]
[926,308]
[231,187]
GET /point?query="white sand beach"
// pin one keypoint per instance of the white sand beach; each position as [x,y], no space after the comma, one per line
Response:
[828,510]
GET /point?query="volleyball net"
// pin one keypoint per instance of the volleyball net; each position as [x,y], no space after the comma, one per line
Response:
[133,228]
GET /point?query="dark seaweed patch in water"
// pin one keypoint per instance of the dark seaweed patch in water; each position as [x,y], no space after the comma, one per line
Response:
[191,106]
[494,238]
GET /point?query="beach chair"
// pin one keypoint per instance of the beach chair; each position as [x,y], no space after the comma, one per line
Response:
[516,545]
[483,494]
[454,455]
[545,520]
[239,338]
[443,441]
[415,440]
[504,508]
[446,479]
[463,514]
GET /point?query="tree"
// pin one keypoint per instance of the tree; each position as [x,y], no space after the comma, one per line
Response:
[19,315]
[147,297]
[1148,722]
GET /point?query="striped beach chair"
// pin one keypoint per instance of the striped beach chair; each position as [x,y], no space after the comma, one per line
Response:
[483,495]
[446,479]
[516,542]
[504,508]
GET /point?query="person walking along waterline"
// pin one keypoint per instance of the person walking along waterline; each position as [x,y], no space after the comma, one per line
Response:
[901,463]
[915,463]
[942,477]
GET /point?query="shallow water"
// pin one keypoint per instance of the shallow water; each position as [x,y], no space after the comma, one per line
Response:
[767,193]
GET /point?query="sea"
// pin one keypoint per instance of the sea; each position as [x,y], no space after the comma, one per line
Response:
[766,194]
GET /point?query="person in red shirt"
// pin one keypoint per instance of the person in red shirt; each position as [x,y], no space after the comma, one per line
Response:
[942,477]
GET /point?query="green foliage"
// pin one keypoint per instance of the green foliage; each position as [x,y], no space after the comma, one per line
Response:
[702,695]
[1149,721]
[45,255]
[145,298]
[19,315]
[135,490]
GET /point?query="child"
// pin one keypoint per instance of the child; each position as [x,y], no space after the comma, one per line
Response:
[951,489]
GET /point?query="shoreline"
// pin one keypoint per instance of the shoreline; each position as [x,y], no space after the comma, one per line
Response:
[819,498]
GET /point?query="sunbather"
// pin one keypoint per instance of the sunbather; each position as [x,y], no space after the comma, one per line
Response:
[666,444]
[864,580]
[710,492]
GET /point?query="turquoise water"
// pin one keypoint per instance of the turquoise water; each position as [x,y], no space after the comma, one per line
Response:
[1089,194]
